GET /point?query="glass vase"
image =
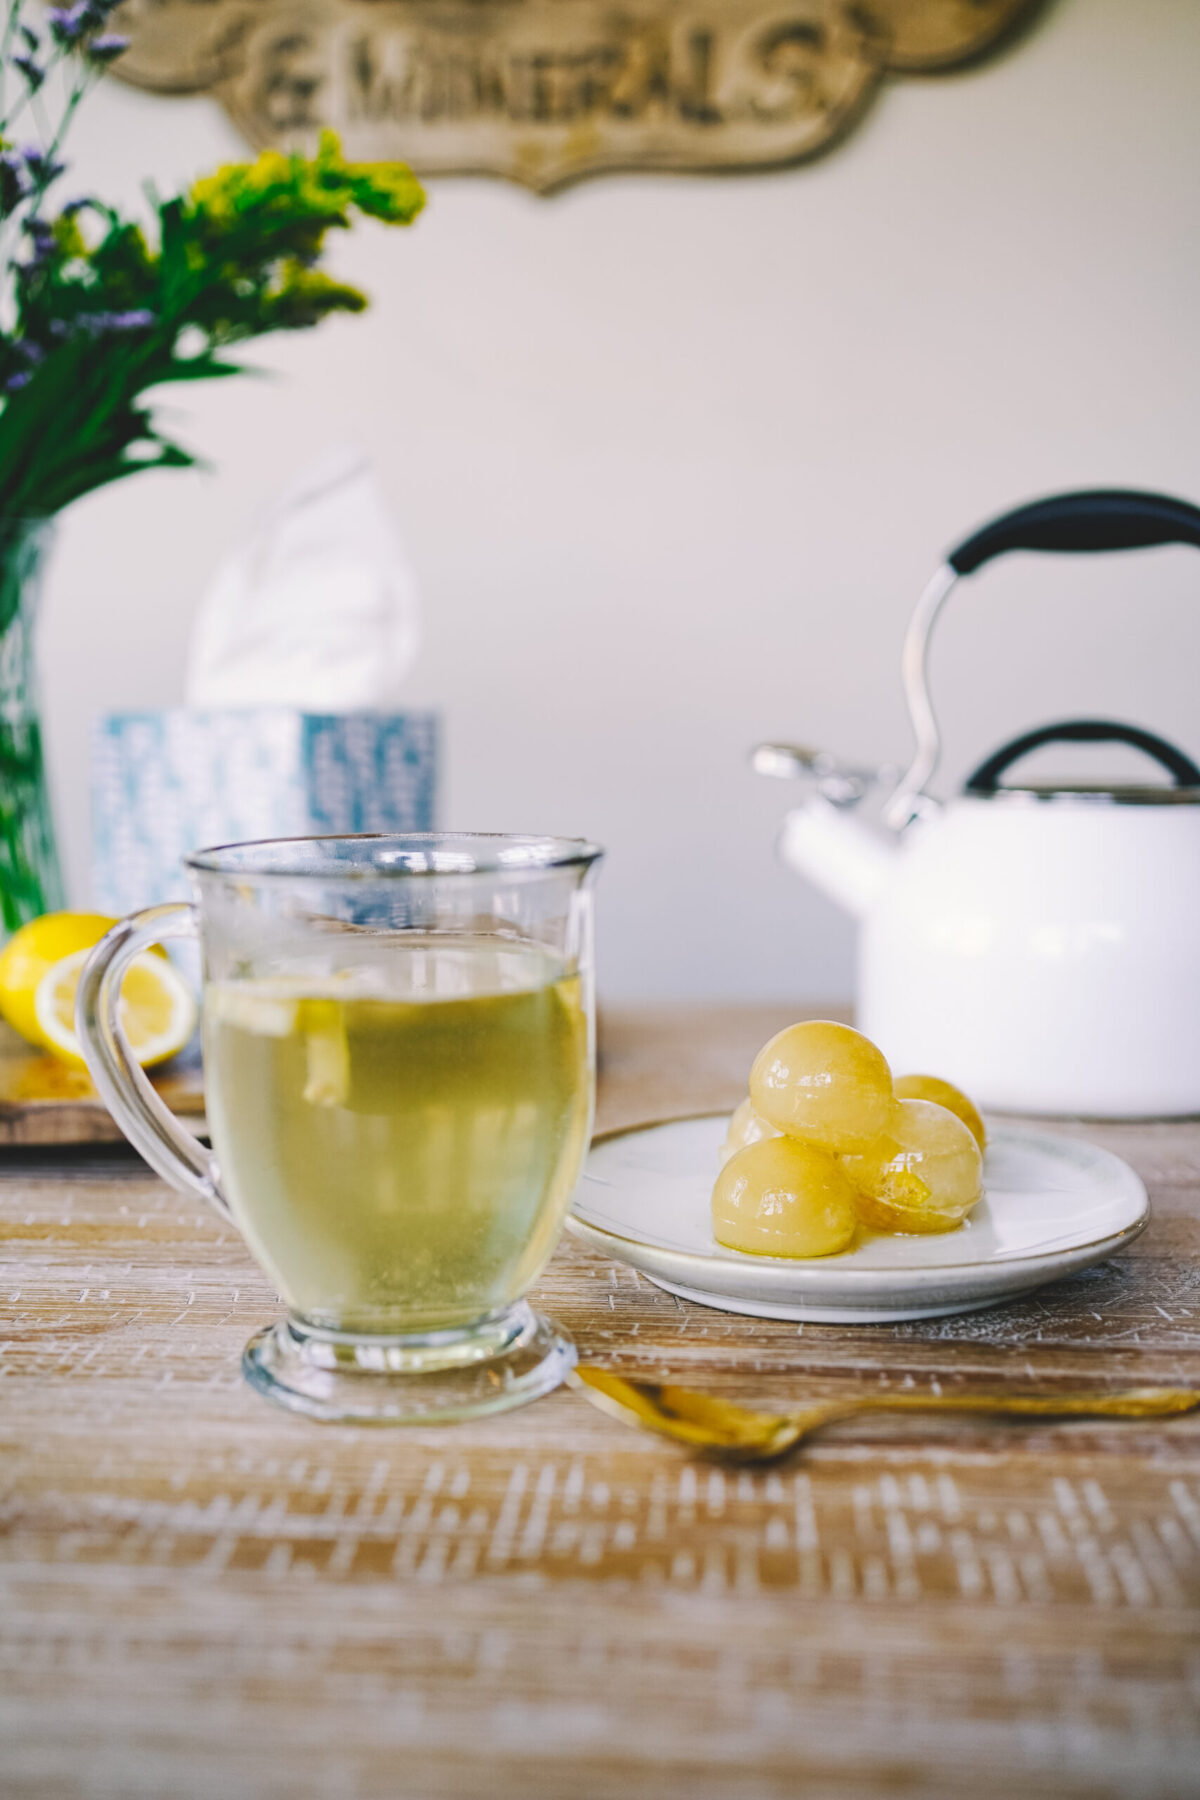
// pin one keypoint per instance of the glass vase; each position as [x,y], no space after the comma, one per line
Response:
[30,880]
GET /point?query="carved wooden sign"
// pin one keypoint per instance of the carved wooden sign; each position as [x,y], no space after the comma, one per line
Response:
[546,91]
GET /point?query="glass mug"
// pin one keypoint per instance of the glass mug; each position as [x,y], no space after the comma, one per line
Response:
[399,1070]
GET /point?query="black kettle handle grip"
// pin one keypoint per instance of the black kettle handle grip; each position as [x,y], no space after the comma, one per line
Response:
[1095,520]
[986,778]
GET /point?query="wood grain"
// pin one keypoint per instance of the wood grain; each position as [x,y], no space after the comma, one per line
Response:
[203,1596]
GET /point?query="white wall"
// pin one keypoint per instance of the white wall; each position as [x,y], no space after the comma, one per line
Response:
[673,458]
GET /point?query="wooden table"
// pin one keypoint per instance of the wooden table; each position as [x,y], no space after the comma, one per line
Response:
[206,1597]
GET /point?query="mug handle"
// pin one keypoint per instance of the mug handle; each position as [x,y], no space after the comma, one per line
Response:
[150,1126]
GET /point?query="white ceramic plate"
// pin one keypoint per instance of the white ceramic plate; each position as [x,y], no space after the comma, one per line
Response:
[1053,1204]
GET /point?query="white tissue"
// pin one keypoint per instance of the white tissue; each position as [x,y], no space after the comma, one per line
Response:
[318,611]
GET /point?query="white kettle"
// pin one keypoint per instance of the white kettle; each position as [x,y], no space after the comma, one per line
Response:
[1038,945]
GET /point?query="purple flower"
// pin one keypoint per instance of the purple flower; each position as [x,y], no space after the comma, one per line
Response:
[107,49]
[30,70]
[40,239]
[29,353]
[103,324]
[68,23]
[42,168]
[137,318]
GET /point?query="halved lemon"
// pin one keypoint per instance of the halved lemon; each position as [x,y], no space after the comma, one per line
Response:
[39,973]
[31,952]
[156,1008]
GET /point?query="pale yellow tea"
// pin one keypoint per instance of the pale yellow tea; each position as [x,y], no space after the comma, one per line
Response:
[399,1139]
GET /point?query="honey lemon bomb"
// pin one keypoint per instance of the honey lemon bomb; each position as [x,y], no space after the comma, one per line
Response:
[944,1093]
[779,1197]
[924,1173]
[745,1127]
[827,1141]
[824,1084]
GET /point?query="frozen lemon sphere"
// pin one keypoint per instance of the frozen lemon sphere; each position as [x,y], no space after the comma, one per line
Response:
[824,1083]
[745,1127]
[782,1198]
[924,1173]
[944,1093]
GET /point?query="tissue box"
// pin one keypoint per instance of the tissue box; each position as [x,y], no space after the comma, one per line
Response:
[165,783]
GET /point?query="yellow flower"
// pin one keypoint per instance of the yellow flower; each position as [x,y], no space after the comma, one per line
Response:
[322,185]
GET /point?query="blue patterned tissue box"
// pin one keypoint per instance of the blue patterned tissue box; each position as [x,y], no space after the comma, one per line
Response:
[165,783]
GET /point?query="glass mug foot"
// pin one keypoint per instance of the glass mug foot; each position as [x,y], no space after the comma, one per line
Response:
[425,1379]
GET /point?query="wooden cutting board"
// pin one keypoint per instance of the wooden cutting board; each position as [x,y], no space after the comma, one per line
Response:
[43,1101]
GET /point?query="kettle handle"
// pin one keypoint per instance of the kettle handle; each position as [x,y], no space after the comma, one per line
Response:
[1088,522]
[986,778]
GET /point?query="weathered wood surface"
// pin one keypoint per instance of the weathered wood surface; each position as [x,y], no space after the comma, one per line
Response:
[44,1101]
[203,1596]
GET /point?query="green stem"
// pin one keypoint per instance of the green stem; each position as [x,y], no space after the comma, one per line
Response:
[30,879]
[30,883]
[28,96]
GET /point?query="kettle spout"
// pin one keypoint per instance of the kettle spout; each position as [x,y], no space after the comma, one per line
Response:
[843,857]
